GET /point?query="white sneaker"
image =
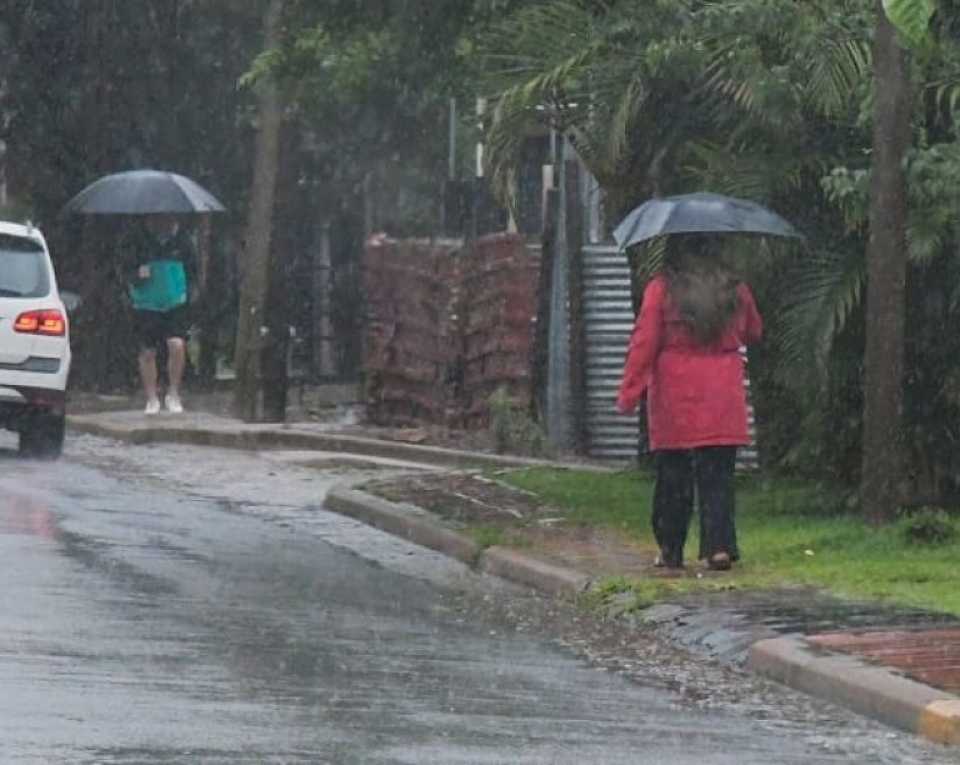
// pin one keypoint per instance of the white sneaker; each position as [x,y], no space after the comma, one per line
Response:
[153,407]
[172,402]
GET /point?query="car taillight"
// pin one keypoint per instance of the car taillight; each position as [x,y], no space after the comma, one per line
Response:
[41,323]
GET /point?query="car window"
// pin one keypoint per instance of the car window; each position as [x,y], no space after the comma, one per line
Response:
[23,268]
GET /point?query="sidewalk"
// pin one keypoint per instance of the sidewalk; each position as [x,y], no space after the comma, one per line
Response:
[205,429]
[898,665]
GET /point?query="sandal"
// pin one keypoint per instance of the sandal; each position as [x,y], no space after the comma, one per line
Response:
[663,561]
[719,562]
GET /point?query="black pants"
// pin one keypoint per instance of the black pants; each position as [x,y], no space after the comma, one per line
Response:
[710,470]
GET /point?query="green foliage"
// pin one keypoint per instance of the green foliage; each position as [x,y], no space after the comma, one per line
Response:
[94,88]
[638,88]
[770,100]
[115,95]
[618,595]
[373,83]
[911,18]
[826,290]
[488,536]
[513,429]
[791,533]
[929,526]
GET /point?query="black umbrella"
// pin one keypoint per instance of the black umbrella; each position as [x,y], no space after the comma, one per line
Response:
[700,213]
[143,192]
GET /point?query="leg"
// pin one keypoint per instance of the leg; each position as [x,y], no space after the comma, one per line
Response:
[176,356]
[176,360]
[673,504]
[148,372]
[148,336]
[715,468]
[174,333]
[147,361]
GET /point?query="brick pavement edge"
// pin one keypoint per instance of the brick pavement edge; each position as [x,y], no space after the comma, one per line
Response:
[870,690]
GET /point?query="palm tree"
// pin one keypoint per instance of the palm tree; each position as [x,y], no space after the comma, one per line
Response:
[590,73]
[645,91]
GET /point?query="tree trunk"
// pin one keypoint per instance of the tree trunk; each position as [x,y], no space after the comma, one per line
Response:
[276,355]
[882,470]
[255,266]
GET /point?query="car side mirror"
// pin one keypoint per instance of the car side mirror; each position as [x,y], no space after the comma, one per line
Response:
[71,300]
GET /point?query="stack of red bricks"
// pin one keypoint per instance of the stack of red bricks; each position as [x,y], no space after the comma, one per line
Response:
[500,278]
[408,288]
[446,327]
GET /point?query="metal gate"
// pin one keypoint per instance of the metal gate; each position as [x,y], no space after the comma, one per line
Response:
[607,324]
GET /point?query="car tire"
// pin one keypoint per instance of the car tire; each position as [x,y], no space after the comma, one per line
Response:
[42,436]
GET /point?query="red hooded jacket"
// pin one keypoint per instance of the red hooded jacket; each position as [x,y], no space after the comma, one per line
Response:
[695,393]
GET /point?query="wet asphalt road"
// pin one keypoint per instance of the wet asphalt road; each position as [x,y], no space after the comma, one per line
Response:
[223,618]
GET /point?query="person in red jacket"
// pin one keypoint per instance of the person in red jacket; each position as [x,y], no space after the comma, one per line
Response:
[685,356]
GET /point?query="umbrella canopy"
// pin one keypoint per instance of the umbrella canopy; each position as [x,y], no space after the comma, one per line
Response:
[700,213]
[143,192]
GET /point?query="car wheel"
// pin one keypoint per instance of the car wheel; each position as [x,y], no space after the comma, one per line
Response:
[42,436]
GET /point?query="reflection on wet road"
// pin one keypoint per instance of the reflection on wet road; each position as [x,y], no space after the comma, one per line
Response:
[146,621]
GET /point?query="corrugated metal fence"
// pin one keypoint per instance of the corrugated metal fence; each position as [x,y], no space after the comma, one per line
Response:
[607,323]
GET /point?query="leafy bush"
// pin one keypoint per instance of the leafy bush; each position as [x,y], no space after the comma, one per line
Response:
[514,430]
[929,526]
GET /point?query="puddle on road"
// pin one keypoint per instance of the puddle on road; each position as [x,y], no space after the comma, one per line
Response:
[27,515]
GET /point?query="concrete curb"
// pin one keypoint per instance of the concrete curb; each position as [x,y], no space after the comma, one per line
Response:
[407,521]
[546,577]
[418,526]
[260,437]
[870,690]
[402,520]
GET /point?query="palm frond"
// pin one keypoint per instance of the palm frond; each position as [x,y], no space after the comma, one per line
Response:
[624,116]
[825,292]
[533,43]
[946,94]
[749,170]
[536,73]
[837,67]
[928,230]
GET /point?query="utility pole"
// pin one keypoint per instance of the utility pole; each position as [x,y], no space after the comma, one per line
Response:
[559,393]
[324,363]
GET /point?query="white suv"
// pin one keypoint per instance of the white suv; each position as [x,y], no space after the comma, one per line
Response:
[34,343]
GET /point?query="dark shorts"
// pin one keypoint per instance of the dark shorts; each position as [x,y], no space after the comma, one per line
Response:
[154,328]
